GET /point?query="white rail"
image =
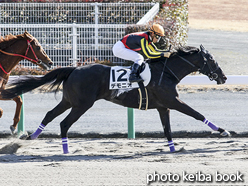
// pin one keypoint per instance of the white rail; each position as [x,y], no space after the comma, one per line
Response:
[204,80]
[149,15]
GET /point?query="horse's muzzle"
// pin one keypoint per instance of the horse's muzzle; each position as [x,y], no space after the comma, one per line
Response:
[221,80]
[46,65]
[50,63]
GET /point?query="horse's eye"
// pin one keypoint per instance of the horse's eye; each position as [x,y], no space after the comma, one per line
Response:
[37,48]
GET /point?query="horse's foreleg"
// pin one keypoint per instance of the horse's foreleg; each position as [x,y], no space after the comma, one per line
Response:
[59,109]
[16,119]
[164,114]
[184,108]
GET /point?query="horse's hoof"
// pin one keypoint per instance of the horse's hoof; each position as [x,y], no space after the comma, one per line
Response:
[12,129]
[225,134]
[179,150]
[24,137]
[28,138]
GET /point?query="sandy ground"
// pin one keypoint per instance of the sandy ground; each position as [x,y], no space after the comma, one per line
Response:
[219,15]
[200,161]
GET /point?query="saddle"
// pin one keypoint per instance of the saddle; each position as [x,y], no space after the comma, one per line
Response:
[119,80]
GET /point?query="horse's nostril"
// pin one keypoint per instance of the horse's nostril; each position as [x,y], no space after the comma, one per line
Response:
[50,63]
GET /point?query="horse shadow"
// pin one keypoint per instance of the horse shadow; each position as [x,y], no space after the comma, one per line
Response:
[16,158]
[80,155]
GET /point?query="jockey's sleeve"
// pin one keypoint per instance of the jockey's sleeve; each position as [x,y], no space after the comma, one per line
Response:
[150,53]
[154,48]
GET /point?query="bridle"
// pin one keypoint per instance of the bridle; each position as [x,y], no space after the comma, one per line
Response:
[210,72]
[36,60]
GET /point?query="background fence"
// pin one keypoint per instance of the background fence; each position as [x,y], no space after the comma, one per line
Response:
[74,32]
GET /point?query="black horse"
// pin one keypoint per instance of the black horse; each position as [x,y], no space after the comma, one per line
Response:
[82,86]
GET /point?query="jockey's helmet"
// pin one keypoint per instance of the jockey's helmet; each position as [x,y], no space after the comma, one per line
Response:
[157,29]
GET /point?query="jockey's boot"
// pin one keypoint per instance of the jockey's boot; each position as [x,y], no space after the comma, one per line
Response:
[134,75]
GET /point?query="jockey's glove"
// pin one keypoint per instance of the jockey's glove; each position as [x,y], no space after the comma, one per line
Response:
[167,54]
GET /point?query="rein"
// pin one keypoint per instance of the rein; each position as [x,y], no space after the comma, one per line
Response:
[186,61]
[212,75]
[161,77]
[171,70]
[19,55]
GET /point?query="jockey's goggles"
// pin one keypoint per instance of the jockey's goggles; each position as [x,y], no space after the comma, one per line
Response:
[157,37]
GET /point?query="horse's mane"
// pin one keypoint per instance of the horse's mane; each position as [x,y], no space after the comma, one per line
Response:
[181,51]
[9,40]
[185,50]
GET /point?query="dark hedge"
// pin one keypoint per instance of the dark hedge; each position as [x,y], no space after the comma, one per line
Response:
[173,16]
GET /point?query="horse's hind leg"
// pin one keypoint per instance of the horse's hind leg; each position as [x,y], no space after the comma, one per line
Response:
[59,109]
[72,117]
[164,114]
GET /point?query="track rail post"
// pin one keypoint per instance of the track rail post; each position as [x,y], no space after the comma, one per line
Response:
[131,126]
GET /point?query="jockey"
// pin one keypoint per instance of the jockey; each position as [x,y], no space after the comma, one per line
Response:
[131,45]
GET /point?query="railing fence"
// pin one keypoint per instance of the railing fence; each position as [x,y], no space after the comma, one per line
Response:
[74,33]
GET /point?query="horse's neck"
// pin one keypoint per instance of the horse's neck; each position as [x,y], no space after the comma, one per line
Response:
[8,62]
[181,67]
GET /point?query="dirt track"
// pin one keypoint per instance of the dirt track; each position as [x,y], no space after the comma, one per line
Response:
[222,27]
[219,15]
[122,162]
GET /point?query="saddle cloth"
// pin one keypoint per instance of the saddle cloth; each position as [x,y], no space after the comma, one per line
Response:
[119,77]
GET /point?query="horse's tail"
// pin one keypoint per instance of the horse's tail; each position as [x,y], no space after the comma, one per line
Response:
[28,83]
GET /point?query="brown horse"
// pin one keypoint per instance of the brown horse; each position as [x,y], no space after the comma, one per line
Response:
[14,48]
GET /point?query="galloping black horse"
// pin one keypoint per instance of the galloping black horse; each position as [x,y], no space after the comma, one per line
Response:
[82,86]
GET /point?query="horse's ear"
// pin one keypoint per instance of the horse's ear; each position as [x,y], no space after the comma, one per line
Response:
[202,49]
[26,32]
[28,35]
